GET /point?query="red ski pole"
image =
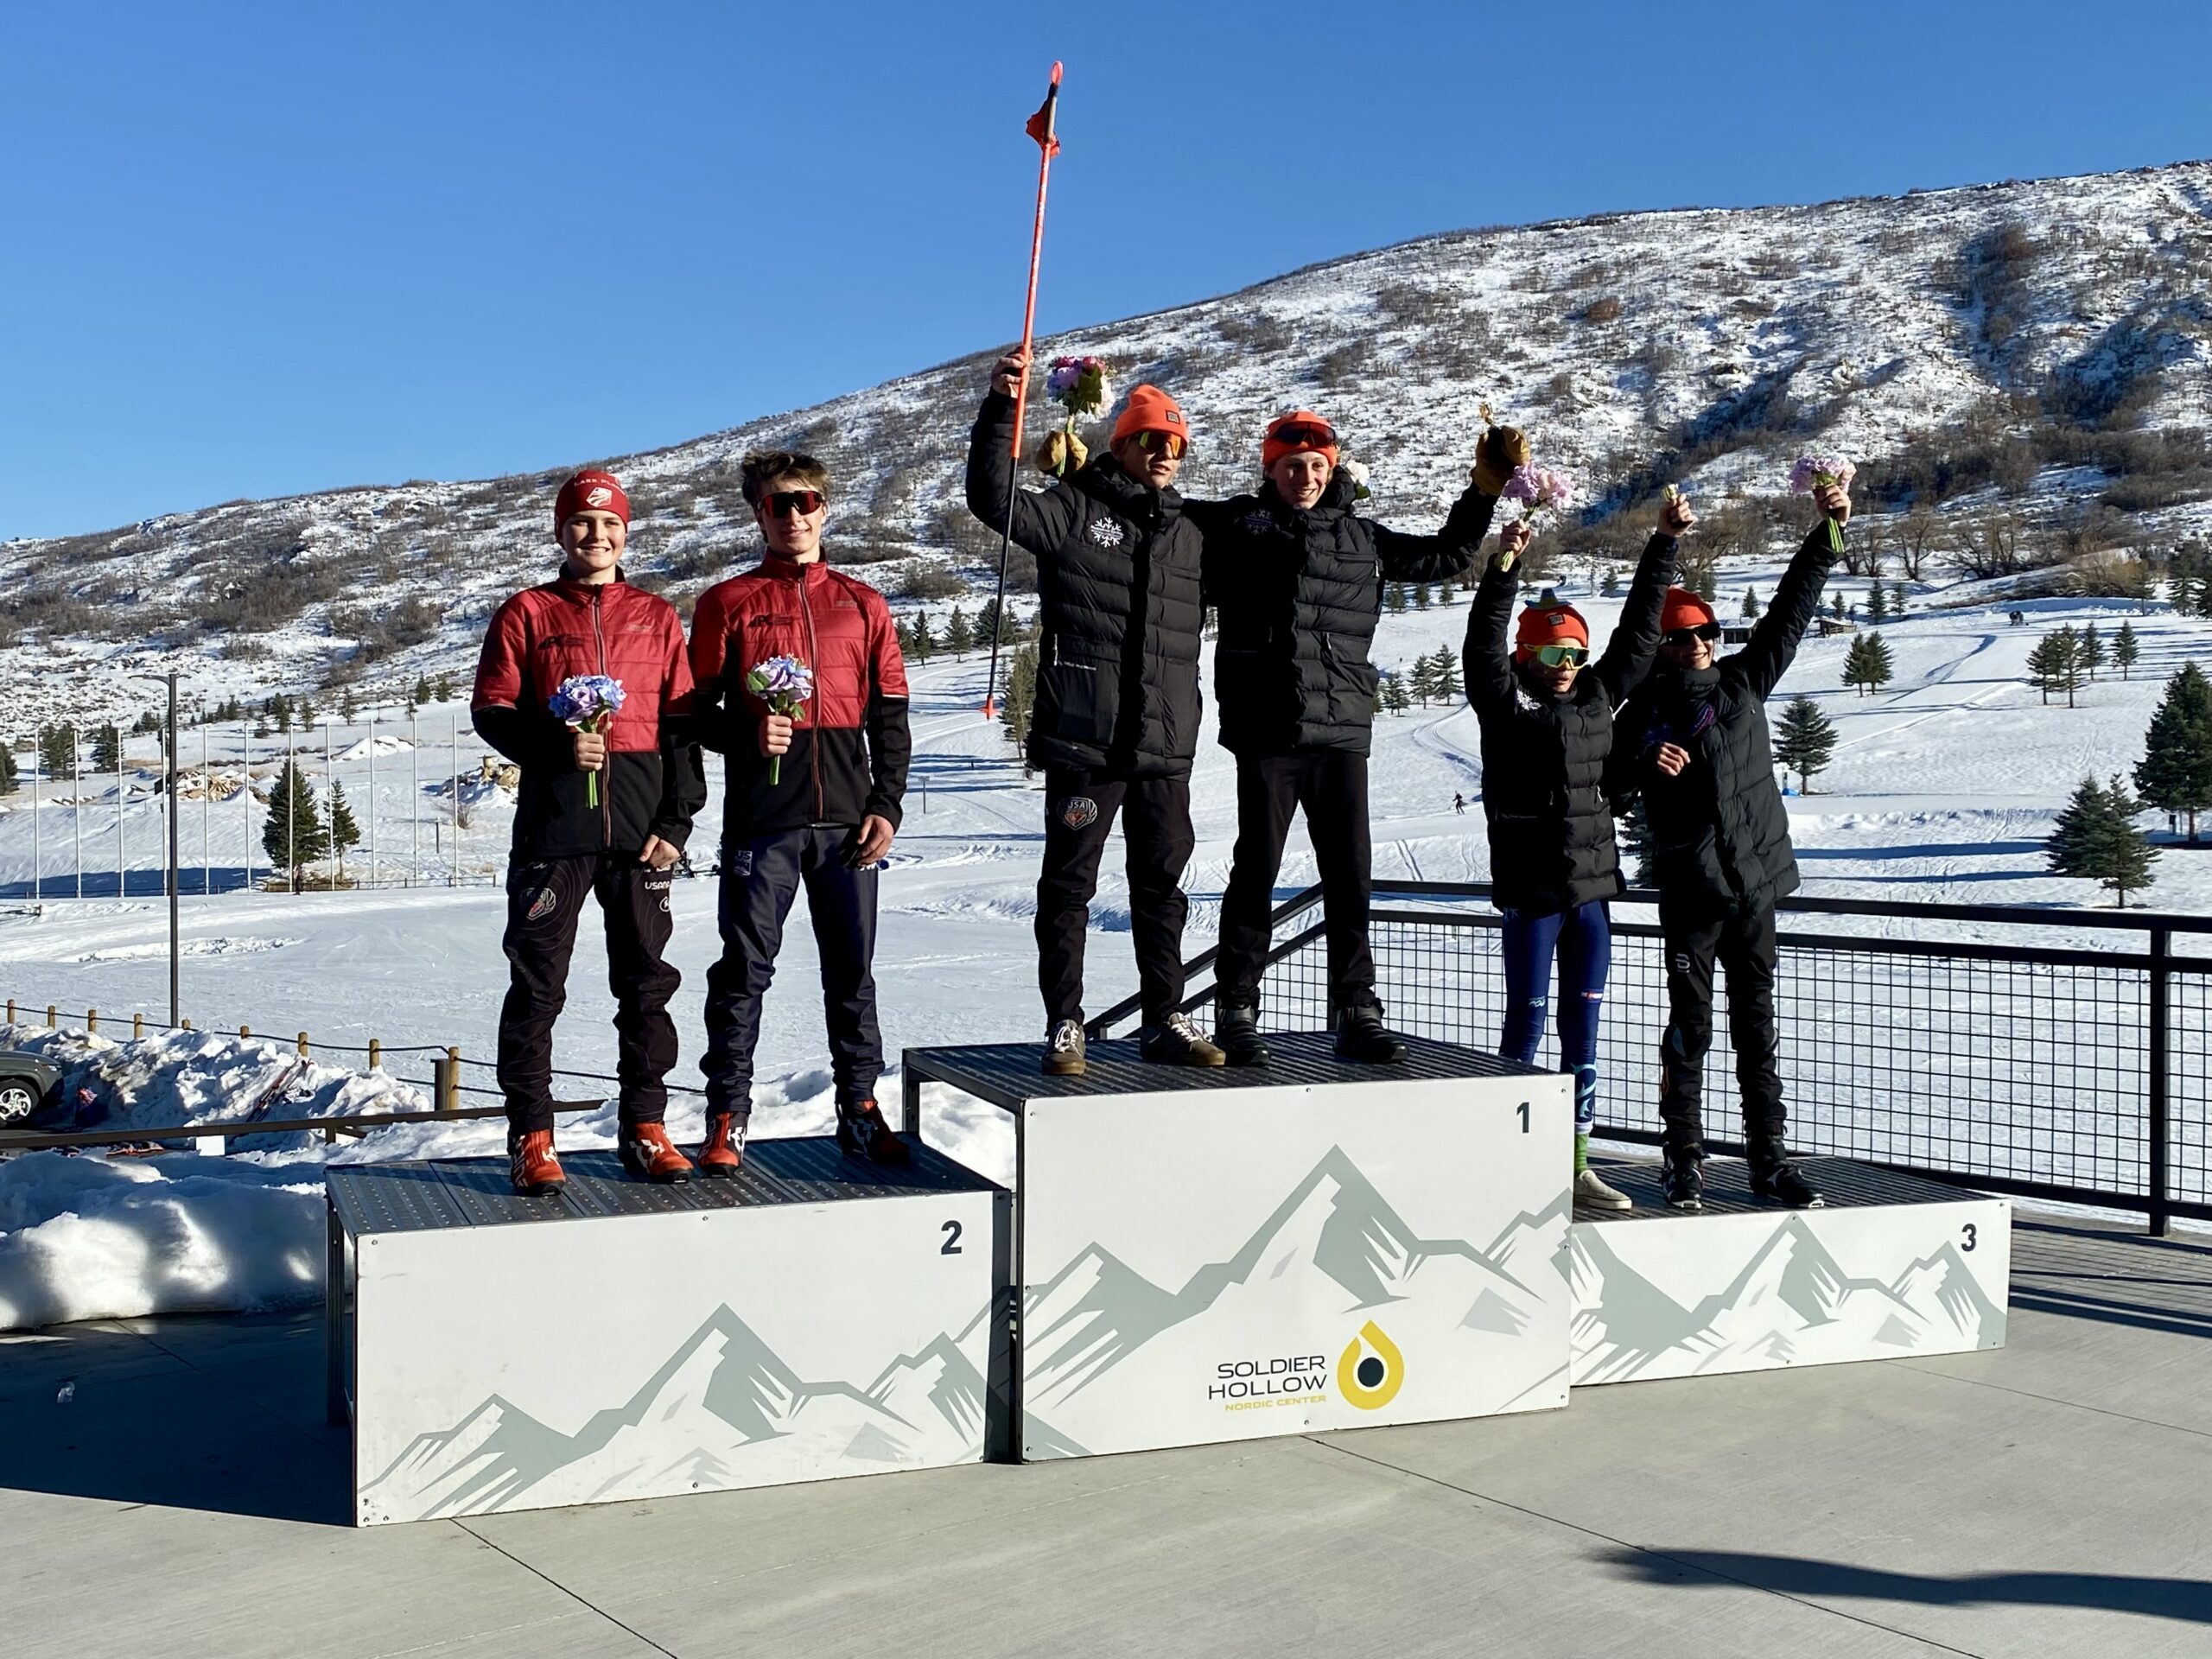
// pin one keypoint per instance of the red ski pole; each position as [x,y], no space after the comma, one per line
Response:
[1042,127]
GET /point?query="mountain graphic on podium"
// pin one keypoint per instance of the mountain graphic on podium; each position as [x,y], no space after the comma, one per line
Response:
[1791,1302]
[722,1400]
[1332,1246]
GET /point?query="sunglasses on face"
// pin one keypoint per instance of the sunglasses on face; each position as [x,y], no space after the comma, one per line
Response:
[1149,441]
[1562,656]
[1301,432]
[787,504]
[1690,636]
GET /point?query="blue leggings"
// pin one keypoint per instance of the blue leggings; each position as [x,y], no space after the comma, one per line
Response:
[1582,939]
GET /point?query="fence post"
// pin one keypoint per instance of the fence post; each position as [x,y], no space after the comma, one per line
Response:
[11,1010]
[184,1024]
[92,1022]
[244,1031]
[138,1026]
[49,1016]
[2162,979]
[376,1053]
[304,1045]
[450,1081]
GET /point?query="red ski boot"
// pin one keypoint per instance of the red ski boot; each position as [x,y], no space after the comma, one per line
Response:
[649,1155]
[862,1133]
[723,1154]
[532,1168]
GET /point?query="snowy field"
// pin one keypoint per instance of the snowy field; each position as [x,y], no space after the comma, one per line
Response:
[1942,789]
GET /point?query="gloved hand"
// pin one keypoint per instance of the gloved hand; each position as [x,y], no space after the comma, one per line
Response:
[1502,449]
[1061,452]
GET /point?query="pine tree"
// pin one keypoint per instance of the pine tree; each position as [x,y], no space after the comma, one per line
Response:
[1394,693]
[2095,837]
[1881,666]
[959,638]
[1897,599]
[1751,604]
[343,832]
[2091,650]
[1423,684]
[280,710]
[1394,598]
[9,775]
[921,643]
[1857,667]
[1447,592]
[1635,840]
[2055,666]
[445,688]
[57,751]
[347,709]
[422,689]
[989,621]
[1805,740]
[1836,605]
[1446,675]
[2125,649]
[1611,584]
[2175,772]
[1421,595]
[1020,699]
[1877,604]
[292,834]
[107,749]
[307,712]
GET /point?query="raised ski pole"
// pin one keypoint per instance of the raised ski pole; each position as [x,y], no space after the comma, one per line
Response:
[1043,127]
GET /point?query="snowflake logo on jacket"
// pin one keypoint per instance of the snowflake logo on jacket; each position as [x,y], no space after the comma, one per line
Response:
[1260,523]
[1107,532]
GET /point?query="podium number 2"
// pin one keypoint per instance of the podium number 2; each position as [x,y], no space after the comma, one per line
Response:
[1524,1117]
[951,1231]
[1972,1235]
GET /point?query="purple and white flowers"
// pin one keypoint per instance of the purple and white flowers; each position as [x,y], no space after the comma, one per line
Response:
[1818,473]
[786,684]
[586,702]
[1539,490]
[1078,384]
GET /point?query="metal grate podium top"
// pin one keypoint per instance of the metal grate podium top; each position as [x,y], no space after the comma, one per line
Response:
[405,1197]
[1007,1074]
[1841,1184]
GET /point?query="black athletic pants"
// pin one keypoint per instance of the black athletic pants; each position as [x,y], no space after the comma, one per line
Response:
[1080,806]
[1331,787]
[1743,945]
[760,877]
[544,897]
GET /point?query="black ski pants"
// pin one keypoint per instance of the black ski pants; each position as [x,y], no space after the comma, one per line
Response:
[1331,787]
[1744,946]
[760,877]
[544,897]
[1081,804]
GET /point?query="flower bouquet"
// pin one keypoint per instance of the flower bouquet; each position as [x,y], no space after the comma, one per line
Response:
[1355,471]
[586,702]
[785,684]
[1079,385]
[1538,491]
[1818,473]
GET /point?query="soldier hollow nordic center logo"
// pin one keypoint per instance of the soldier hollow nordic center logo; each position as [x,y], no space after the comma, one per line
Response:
[1370,1369]
[1281,1378]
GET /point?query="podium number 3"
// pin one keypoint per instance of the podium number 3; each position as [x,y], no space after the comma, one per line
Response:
[1972,1235]
[951,1231]
[1524,1117]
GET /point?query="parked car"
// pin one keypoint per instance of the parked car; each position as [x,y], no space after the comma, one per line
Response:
[26,1083]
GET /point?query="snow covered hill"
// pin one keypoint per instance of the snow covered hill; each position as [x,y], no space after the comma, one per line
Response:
[2041,346]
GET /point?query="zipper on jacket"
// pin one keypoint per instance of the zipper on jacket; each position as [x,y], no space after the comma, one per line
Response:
[814,659]
[606,795]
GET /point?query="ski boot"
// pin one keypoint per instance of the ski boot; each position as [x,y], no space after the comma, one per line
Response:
[1682,1178]
[1176,1041]
[862,1132]
[1362,1036]
[1237,1033]
[1064,1054]
[649,1155]
[723,1153]
[1775,1180]
[532,1168]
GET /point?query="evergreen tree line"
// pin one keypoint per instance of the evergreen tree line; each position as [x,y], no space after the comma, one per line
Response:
[296,833]
[2061,663]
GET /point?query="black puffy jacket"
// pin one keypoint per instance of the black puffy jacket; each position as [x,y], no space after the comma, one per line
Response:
[1719,837]
[1551,831]
[1117,570]
[1297,593]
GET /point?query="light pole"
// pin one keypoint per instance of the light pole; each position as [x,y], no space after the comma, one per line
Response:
[168,743]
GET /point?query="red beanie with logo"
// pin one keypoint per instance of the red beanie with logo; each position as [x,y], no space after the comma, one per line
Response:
[1683,609]
[1298,433]
[591,490]
[1550,625]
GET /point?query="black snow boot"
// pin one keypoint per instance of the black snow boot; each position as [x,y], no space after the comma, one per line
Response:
[1682,1178]
[1236,1033]
[1362,1036]
[1775,1180]
[862,1132]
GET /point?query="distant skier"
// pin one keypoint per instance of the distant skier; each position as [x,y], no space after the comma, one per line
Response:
[1115,724]
[1547,730]
[812,800]
[1296,580]
[647,779]
[1694,744]
[1458,802]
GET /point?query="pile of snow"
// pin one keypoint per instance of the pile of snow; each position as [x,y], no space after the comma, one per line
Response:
[94,1236]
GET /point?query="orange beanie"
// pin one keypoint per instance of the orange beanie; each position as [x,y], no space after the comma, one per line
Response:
[1683,609]
[1319,438]
[1151,409]
[1550,625]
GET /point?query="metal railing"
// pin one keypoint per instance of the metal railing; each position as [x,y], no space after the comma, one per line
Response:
[2059,1054]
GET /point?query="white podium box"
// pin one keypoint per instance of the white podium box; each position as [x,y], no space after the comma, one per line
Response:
[1223,1254]
[816,1316]
[1890,1266]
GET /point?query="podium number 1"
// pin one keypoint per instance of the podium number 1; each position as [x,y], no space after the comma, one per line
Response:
[951,1231]
[1524,1117]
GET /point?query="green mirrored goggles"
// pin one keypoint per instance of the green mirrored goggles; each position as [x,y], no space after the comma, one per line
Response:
[1562,656]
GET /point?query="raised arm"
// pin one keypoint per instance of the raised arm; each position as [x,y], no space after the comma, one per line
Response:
[1773,644]
[1487,659]
[1635,643]
[1449,553]
[1042,520]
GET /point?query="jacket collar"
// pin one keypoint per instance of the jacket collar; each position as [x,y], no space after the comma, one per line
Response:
[807,575]
[585,593]
[1105,480]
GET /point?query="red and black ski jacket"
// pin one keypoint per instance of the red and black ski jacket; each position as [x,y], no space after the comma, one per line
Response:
[851,744]
[653,783]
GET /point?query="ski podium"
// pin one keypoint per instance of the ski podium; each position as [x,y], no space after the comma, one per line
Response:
[1219,1254]
[816,1317]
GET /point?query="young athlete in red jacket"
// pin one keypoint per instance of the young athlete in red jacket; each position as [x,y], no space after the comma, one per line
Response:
[649,785]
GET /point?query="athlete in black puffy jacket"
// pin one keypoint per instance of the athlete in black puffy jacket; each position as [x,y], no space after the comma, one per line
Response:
[1693,743]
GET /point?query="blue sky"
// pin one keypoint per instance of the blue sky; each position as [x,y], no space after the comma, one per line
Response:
[263,248]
